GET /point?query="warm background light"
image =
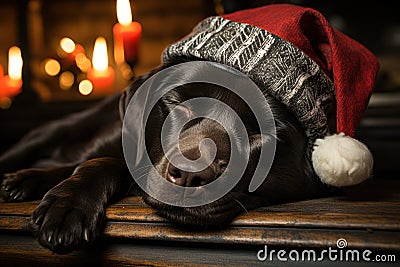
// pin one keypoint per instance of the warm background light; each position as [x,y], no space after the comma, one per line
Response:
[82,62]
[67,44]
[5,102]
[52,67]
[15,63]
[66,80]
[126,71]
[100,58]
[124,13]
[85,87]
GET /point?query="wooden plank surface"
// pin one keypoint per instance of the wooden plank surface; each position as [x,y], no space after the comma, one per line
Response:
[365,218]
[276,236]
[113,253]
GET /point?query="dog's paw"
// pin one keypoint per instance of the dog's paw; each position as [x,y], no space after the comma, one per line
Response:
[63,223]
[21,186]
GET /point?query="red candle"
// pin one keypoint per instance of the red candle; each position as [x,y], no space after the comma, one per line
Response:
[101,74]
[11,84]
[127,34]
[9,87]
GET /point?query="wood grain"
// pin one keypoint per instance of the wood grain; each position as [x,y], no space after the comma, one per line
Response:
[367,220]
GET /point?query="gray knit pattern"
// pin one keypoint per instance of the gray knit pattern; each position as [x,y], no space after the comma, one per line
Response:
[279,68]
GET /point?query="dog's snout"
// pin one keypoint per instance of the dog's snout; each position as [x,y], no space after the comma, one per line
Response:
[181,177]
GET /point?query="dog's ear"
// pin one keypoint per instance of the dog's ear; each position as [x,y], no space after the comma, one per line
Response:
[262,152]
[127,94]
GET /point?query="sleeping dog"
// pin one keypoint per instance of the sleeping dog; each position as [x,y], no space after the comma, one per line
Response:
[76,165]
[78,179]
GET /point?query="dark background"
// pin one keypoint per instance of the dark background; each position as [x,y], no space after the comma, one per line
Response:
[37,25]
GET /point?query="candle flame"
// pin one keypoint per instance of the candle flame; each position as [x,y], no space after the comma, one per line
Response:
[15,63]
[100,57]
[124,12]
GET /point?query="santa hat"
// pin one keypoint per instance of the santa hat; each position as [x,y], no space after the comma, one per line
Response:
[293,54]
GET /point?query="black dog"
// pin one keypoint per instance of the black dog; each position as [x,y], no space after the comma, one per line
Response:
[76,164]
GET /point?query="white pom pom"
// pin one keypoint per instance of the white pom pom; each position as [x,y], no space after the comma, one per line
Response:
[340,160]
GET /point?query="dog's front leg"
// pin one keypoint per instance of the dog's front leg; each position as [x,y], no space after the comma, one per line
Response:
[71,214]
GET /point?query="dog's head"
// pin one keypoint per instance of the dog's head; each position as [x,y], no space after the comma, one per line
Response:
[190,163]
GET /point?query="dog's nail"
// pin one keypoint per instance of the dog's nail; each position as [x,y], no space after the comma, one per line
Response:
[37,220]
[86,235]
[18,195]
[50,237]
[60,240]
[7,188]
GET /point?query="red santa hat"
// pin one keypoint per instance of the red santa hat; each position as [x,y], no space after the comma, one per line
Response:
[319,73]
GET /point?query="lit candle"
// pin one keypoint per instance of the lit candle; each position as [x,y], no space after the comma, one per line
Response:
[5,101]
[101,74]
[11,84]
[127,34]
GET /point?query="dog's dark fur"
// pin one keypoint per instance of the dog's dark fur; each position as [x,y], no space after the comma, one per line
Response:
[76,164]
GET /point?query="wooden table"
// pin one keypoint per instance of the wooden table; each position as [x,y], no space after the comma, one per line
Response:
[367,217]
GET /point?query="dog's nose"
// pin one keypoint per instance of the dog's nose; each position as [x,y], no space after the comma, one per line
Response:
[178,176]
